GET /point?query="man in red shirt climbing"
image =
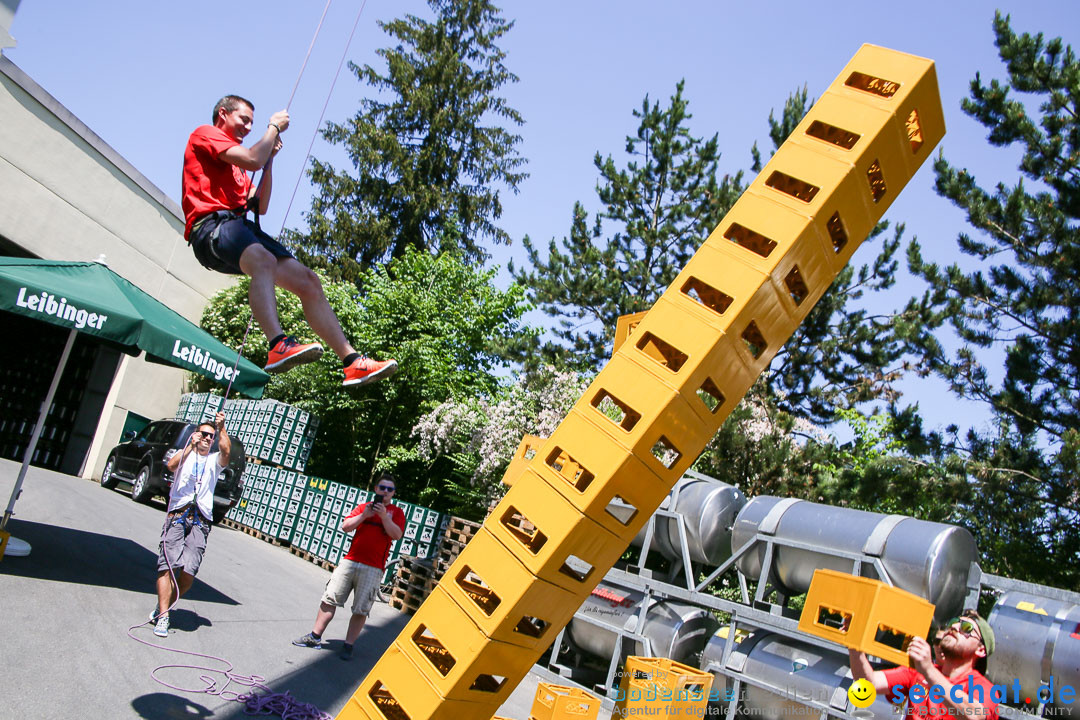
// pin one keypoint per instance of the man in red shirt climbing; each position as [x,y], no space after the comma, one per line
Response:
[217,194]
[377,524]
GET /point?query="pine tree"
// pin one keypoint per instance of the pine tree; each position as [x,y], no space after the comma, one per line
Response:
[428,148]
[657,209]
[1017,300]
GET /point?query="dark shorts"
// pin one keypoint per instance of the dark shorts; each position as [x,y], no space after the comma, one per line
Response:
[219,240]
[183,542]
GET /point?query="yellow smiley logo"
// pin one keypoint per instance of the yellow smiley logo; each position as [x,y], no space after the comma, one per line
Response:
[862,693]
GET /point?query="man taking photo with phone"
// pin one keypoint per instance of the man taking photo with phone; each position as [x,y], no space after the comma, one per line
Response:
[377,524]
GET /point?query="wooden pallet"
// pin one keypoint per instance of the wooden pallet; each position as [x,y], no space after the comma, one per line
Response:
[404,600]
[405,607]
[460,530]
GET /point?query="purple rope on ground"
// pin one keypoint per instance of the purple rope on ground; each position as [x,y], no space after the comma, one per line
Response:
[281,704]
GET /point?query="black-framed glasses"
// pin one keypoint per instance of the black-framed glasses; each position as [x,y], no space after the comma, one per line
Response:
[967,628]
[386,488]
[206,434]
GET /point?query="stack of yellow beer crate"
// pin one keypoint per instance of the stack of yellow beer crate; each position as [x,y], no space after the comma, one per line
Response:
[661,398]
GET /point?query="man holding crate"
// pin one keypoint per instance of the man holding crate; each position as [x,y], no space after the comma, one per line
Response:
[956,686]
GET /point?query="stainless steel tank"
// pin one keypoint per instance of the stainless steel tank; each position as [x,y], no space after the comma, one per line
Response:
[794,673]
[675,630]
[708,508]
[1036,638]
[929,559]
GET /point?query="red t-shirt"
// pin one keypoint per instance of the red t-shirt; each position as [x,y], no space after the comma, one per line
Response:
[907,678]
[210,183]
[371,544]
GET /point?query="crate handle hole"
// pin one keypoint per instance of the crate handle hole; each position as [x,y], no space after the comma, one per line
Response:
[534,627]
[576,568]
[518,524]
[666,452]
[705,294]
[615,410]
[488,683]
[569,469]
[664,354]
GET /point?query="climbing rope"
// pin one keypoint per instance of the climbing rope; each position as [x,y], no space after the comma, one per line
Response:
[311,144]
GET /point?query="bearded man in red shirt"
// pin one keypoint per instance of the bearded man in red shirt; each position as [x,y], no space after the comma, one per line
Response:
[954,685]
[217,194]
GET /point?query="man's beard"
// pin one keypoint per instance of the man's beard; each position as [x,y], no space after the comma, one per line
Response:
[951,651]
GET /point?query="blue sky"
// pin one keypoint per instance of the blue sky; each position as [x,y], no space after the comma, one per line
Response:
[142,75]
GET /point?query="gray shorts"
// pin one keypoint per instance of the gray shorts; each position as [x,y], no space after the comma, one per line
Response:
[360,579]
[183,542]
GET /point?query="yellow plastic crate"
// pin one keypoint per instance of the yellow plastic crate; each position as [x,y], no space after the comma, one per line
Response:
[600,477]
[624,326]
[648,417]
[859,133]
[649,684]
[713,377]
[504,598]
[396,689]
[457,657]
[902,84]
[781,243]
[710,289]
[881,619]
[526,449]
[753,312]
[558,702]
[819,187]
[552,538]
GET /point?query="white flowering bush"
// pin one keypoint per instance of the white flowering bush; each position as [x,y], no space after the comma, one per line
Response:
[490,429]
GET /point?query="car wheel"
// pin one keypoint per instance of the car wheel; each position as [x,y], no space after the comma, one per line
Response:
[141,491]
[108,481]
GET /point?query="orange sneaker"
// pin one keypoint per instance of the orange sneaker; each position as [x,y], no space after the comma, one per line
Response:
[364,370]
[288,354]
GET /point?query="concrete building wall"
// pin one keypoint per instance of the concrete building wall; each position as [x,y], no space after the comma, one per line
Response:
[66,195]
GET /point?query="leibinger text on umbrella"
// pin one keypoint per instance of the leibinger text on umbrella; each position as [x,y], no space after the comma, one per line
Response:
[48,304]
[200,358]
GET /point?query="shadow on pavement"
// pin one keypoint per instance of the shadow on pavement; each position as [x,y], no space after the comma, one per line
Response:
[157,706]
[67,555]
[325,680]
[185,620]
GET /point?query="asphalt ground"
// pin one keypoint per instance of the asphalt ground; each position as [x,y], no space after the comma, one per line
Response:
[65,611]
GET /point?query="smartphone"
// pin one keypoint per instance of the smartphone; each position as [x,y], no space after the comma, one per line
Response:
[379,499]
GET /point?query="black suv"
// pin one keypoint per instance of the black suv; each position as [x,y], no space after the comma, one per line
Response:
[140,462]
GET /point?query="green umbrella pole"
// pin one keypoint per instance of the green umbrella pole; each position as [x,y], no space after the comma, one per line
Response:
[39,427]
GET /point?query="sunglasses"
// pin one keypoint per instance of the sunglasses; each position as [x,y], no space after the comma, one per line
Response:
[386,488]
[967,628]
[206,434]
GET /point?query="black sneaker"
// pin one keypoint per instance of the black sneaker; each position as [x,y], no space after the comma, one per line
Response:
[308,641]
[346,652]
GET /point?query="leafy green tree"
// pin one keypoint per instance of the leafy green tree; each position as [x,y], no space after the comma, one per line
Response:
[441,320]
[428,148]
[1017,300]
[657,209]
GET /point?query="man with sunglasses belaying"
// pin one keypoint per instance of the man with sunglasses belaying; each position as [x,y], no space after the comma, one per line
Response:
[187,522]
[217,194]
[377,524]
[955,685]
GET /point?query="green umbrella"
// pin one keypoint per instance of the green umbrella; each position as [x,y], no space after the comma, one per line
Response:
[89,297]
